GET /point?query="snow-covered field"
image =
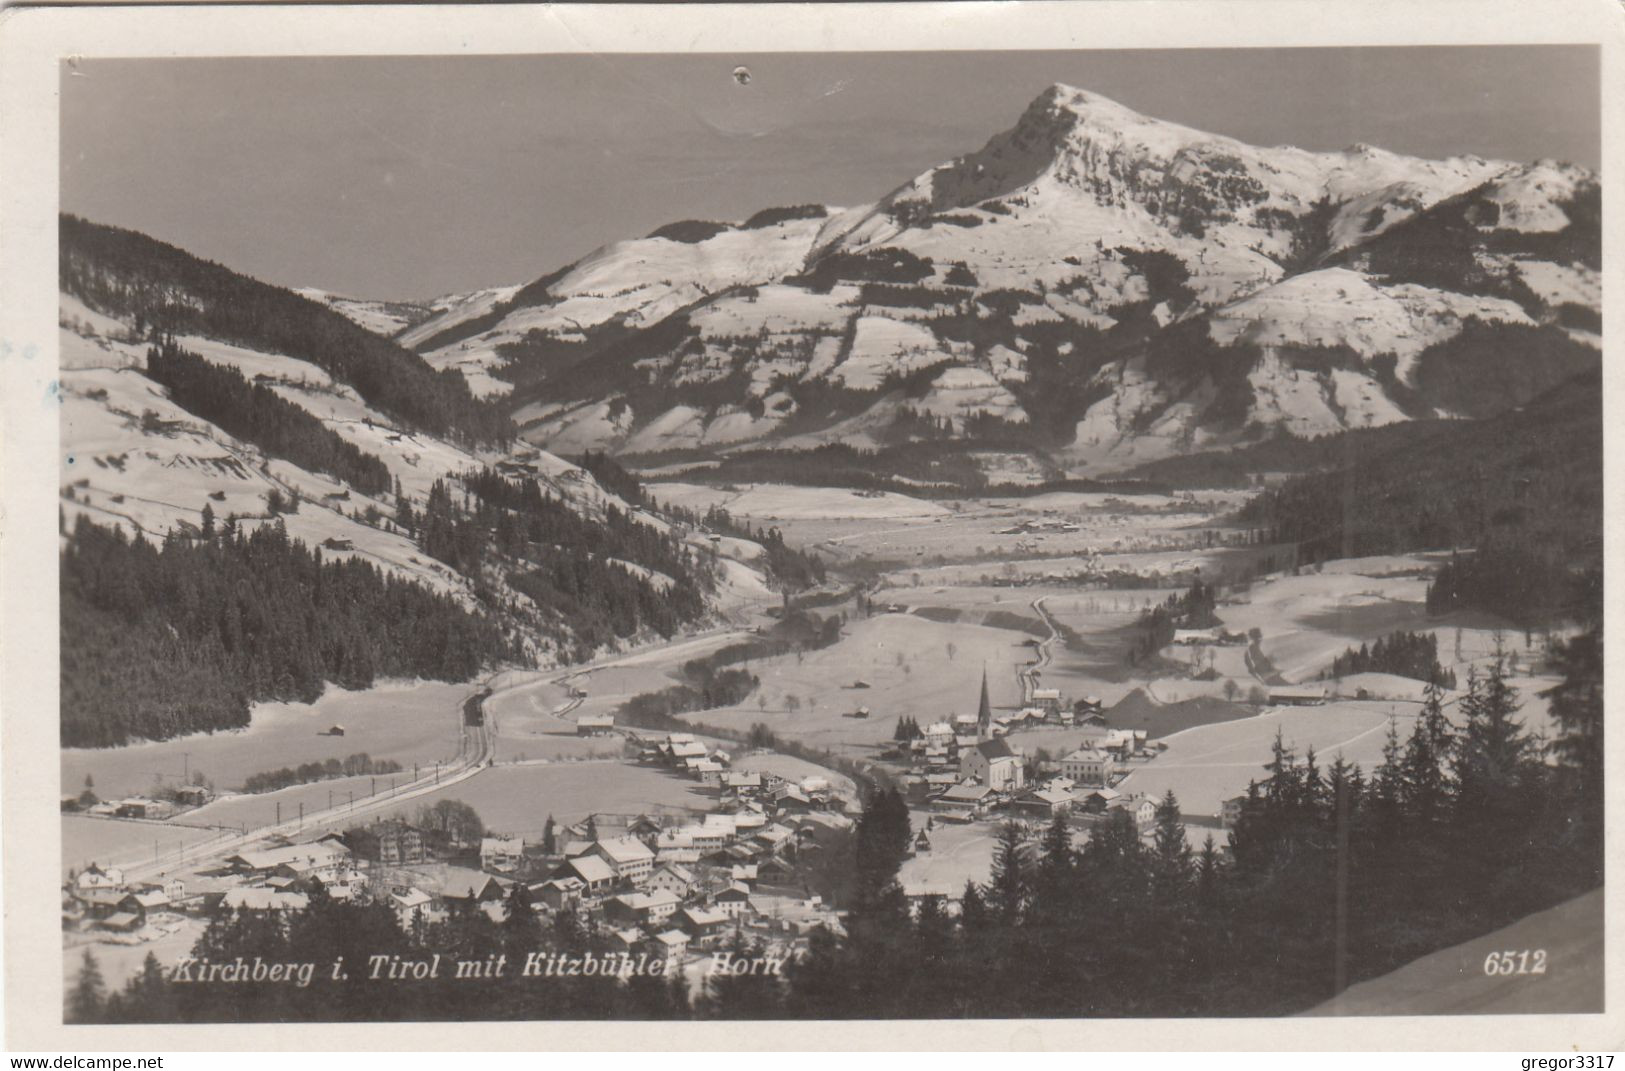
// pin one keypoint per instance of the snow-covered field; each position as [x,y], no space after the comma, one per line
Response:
[905,661]
[409,721]
[119,841]
[518,799]
[1211,763]
[786,502]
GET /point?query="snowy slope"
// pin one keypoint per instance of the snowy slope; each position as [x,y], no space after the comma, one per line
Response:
[132,457]
[387,318]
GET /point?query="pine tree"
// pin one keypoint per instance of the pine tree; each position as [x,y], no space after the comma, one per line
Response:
[1010,884]
[1171,862]
[87,998]
[1576,706]
[973,912]
[1052,895]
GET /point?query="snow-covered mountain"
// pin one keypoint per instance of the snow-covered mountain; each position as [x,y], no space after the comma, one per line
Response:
[1104,285]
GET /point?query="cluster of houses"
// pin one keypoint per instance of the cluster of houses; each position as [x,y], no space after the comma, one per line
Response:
[100,899]
[965,768]
[658,883]
[174,800]
[686,754]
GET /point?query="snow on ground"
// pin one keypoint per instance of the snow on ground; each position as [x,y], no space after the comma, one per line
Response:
[1308,620]
[386,318]
[519,799]
[960,852]
[777,309]
[409,721]
[913,666]
[1206,765]
[1559,284]
[1341,307]
[1529,195]
[760,502]
[794,769]
[959,392]
[454,309]
[574,429]
[884,346]
[120,841]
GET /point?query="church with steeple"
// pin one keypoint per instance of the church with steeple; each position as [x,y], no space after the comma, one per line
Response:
[984,713]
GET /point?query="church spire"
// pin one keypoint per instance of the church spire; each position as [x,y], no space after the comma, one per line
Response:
[984,711]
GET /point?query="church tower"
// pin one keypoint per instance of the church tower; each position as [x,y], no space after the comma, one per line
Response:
[984,712]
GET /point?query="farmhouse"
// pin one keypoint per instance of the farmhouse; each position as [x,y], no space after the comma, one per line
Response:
[968,798]
[1044,801]
[1297,696]
[734,901]
[629,858]
[559,892]
[325,860]
[95,877]
[671,945]
[595,725]
[140,807]
[1230,811]
[673,878]
[641,909]
[502,854]
[409,903]
[705,927]
[744,784]
[1188,637]
[1047,699]
[1122,743]
[595,875]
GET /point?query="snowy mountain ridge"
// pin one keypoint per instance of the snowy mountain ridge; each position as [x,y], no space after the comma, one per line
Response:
[1104,285]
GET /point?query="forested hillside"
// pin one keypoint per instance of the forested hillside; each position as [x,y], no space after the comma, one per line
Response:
[161,640]
[164,290]
[1522,490]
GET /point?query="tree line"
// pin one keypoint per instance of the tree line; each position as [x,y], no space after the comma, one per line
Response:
[358,765]
[1402,653]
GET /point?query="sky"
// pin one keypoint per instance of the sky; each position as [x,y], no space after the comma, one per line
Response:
[410,177]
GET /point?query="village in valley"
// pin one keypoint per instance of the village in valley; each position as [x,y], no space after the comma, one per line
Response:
[678,844]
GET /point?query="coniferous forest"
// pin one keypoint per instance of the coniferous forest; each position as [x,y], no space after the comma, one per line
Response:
[1337,874]
[159,640]
[1520,494]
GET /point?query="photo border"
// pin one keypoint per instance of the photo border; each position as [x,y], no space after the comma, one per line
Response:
[34,41]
